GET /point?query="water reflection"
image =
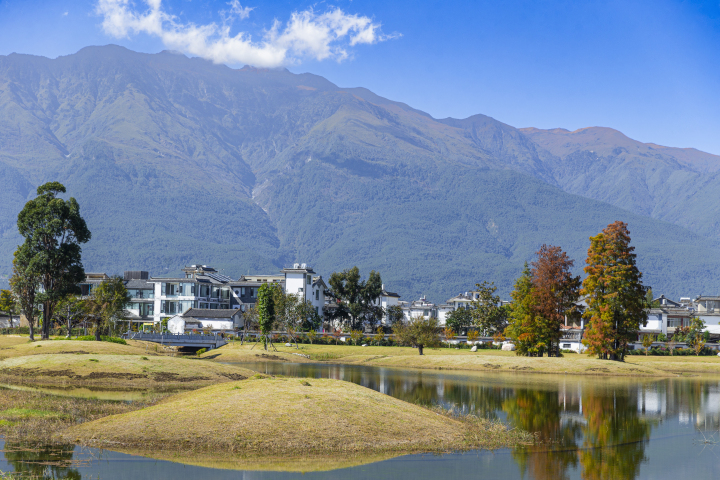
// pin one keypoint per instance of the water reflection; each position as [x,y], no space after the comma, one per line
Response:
[588,428]
[600,427]
[41,462]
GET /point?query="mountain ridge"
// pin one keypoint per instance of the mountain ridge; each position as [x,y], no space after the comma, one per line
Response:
[176,160]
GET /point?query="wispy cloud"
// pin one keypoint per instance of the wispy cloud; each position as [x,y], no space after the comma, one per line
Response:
[306,35]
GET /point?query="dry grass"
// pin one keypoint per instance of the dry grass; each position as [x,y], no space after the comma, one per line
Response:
[11,347]
[36,417]
[280,416]
[482,360]
[127,371]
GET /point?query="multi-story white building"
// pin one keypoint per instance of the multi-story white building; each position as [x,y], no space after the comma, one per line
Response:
[418,308]
[386,300]
[300,280]
[201,287]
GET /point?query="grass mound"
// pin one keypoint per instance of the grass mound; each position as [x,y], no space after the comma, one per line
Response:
[128,371]
[282,416]
[11,349]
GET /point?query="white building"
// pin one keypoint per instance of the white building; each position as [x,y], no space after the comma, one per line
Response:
[418,308]
[218,320]
[300,280]
[387,300]
[201,287]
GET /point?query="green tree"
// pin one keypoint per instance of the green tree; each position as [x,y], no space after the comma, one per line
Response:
[7,302]
[53,230]
[395,315]
[69,311]
[265,306]
[487,312]
[419,332]
[647,343]
[106,306]
[356,298]
[459,319]
[615,294]
[24,283]
[522,327]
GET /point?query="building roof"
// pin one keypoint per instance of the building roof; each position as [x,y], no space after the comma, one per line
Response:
[140,284]
[211,313]
[385,293]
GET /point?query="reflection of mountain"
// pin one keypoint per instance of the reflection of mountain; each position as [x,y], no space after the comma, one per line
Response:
[41,462]
[177,161]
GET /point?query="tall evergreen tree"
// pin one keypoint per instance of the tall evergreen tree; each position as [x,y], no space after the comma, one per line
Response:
[266,310]
[522,326]
[555,293]
[615,293]
[488,314]
[107,304]
[24,284]
[53,231]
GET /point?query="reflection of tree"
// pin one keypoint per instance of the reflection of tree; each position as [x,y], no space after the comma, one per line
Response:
[42,462]
[539,412]
[614,437]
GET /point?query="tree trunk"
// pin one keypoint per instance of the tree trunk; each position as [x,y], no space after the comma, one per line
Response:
[32,329]
[420,349]
[69,327]
[46,321]
[97,332]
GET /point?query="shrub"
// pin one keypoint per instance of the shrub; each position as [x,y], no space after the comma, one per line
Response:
[104,338]
[201,351]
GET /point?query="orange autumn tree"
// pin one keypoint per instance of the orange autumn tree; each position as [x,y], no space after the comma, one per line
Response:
[554,291]
[615,294]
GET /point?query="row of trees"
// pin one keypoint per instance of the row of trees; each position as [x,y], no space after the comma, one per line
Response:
[547,293]
[103,309]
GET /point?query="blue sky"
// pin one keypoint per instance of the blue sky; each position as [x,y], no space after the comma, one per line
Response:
[648,68]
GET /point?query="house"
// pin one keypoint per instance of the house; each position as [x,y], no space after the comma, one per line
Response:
[91,281]
[300,281]
[386,300]
[708,309]
[217,320]
[418,308]
[571,339]
[142,292]
[201,287]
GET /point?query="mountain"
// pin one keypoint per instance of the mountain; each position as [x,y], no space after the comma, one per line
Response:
[177,161]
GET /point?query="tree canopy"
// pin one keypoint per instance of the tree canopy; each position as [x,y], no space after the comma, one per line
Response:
[488,314]
[616,297]
[419,332]
[106,306]
[355,298]
[53,230]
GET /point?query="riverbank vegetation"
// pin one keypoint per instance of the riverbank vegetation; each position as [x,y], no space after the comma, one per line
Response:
[28,416]
[449,358]
[288,416]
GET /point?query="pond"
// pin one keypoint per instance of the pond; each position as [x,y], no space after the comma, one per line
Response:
[589,427]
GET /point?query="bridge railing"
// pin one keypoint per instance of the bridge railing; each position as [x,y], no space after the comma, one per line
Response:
[172,337]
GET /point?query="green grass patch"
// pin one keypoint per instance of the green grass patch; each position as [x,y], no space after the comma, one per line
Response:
[25,413]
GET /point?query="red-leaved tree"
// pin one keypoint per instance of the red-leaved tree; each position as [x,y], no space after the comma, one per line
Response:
[555,292]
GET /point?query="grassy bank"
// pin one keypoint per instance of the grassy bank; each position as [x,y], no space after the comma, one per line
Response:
[27,416]
[482,360]
[15,346]
[261,417]
[116,371]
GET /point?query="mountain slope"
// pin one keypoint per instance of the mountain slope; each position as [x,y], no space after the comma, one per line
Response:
[177,161]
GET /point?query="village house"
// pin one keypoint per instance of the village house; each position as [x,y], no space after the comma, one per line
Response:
[199,319]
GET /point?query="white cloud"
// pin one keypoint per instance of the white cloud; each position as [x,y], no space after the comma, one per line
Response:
[307,35]
[65,14]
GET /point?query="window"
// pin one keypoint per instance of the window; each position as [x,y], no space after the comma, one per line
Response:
[317,294]
[309,279]
[565,345]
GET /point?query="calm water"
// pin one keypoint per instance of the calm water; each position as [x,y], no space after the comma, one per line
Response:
[592,428]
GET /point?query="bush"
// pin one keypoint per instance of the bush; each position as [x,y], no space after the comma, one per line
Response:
[567,350]
[104,338]
[201,351]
